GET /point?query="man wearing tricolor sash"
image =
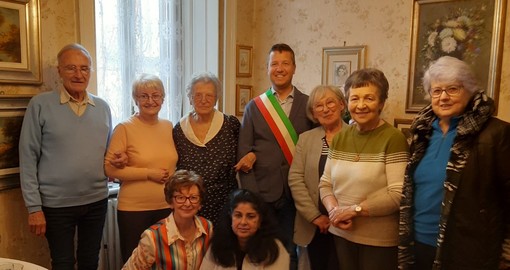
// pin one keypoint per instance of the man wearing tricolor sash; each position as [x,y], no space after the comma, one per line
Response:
[270,128]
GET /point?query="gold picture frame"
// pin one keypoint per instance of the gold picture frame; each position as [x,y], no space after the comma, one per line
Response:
[12,111]
[20,49]
[470,30]
[244,61]
[339,62]
[243,96]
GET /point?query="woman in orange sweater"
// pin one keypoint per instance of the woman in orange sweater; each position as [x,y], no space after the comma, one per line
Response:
[148,143]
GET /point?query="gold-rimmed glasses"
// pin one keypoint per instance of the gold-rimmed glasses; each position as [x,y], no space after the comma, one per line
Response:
[145,97]
[330,104]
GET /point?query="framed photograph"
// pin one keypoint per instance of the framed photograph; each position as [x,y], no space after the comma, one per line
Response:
[20,45]
[339,62]
[243,95]
[243,61]
[12,110]
[404,125]
[470,30]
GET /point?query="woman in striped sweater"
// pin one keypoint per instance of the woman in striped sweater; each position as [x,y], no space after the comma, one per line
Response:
[362,181]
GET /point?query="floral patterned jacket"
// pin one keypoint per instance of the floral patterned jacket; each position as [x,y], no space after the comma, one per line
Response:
[474,229]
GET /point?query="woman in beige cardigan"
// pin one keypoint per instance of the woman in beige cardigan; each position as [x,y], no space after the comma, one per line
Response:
[325,106]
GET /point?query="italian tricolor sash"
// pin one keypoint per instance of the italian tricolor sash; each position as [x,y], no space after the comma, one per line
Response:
[278,122]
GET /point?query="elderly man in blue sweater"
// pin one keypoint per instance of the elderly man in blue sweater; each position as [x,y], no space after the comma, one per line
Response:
[62,146]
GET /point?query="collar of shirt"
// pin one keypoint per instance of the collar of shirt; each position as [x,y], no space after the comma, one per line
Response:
[290,96]
[174,234]
[286,104]
[454,122]
[216,124]
[65,97]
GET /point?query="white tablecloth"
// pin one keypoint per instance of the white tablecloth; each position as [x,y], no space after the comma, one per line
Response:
[12,264]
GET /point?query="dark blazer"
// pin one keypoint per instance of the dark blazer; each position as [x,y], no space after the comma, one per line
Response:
[270,171]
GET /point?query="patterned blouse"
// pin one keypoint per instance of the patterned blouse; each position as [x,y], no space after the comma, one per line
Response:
[163,247]
[213,159]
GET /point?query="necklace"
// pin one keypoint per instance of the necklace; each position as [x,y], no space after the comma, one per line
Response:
[358,153]
[356,158]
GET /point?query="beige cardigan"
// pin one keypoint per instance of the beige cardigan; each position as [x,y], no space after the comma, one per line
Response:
[303,182]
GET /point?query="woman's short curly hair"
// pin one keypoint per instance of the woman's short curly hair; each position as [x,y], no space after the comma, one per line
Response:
[183,179]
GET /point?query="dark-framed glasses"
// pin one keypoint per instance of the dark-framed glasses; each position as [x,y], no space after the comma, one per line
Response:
[330,104]
[71,69]
[452,90]
[145,97]
[182,199]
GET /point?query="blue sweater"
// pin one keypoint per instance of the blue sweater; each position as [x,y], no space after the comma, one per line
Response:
[429,183]
[62,154]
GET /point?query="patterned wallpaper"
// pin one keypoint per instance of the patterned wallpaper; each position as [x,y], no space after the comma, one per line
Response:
[308,26]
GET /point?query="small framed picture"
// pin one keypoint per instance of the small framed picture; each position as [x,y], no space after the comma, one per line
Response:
[339,62]
[20,42]
[404,125]
[243,61]
[243,95]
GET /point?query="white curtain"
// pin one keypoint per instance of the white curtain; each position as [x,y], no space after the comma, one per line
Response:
[134,37]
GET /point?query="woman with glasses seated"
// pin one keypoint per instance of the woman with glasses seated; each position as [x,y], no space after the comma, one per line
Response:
[206,141]
[455,208]
[148,143]
[179,241]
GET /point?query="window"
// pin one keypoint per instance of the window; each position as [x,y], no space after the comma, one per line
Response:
[193,28]
[134,37]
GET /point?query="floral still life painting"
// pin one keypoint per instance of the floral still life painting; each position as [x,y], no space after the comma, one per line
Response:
[466,29]
[458,34]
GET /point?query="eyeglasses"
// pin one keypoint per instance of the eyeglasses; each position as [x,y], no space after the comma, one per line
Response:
[330,104]
[145,97]
[200,97]
[182,199]
[452,90]
[71,69]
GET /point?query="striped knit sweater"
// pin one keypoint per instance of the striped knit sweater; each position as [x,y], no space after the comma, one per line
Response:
[367,167]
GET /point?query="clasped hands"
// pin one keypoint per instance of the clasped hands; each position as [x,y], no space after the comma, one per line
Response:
[341,217]
[159,176]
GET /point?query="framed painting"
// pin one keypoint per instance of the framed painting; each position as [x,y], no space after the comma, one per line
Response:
[20,45]
[243,61]
[470,30]
[12,110]
[339,62]
[243,95]
[404,125]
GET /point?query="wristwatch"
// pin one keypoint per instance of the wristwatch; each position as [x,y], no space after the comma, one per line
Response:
[358,209]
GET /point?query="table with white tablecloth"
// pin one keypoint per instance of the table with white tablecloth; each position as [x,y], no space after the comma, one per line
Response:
[12,264]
